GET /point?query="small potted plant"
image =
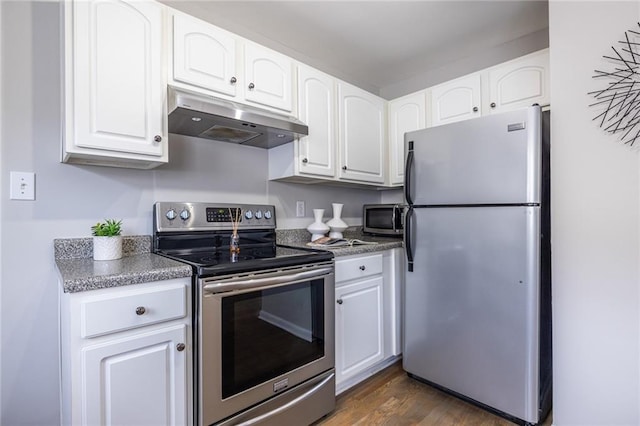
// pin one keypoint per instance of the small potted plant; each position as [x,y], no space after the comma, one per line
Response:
[107,241]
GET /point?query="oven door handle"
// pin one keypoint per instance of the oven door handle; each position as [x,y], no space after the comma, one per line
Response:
[278,278]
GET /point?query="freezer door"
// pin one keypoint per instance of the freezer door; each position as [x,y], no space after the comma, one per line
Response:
[471,304]
[487,160]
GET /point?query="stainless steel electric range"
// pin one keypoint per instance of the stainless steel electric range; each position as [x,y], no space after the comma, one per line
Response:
[263,320]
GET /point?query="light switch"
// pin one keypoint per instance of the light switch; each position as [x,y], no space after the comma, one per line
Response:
[23,186]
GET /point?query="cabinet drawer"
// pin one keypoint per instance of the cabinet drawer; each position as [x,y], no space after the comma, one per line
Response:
[358,267]
[130,309]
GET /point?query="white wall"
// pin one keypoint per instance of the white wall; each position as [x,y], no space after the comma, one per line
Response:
[69,199]
[595,233]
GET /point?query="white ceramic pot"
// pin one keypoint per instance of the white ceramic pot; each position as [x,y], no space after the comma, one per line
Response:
[318,229]
[336,224]
[107,248]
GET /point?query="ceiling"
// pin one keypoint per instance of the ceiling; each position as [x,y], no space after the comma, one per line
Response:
[387,47]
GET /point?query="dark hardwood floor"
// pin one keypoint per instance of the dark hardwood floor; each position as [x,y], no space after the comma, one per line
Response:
[392,398]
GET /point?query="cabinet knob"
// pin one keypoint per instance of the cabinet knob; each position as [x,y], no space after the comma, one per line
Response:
[304,160]
[475,109]
[180,347]
[493,105]
[362,267]
[157,138]
[140,310]
[251,86]
[344,167]
[339,301]
[233,80]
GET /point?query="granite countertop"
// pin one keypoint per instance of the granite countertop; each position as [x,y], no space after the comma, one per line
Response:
[300,237]
[79,272]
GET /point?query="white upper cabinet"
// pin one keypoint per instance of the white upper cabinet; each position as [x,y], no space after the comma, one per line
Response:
[361,135]
[456,100]
[316,108]
[268,77]
[215,62]
[406,114]
[115,85]
[519,83]
[214,71]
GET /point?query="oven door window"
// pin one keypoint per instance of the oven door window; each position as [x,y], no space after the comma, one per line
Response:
[266,333]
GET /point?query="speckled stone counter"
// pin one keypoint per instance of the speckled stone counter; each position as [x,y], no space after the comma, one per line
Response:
[300,238]
[79,272]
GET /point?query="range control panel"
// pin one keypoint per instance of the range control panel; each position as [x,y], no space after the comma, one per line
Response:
[182,216]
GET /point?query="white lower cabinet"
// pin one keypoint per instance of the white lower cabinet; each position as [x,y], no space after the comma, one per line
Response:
[367,315]
[139,380]
[136,369]
[359,327]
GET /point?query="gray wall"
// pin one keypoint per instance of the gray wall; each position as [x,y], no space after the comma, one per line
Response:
[69,199]
[480,60]
[595,187]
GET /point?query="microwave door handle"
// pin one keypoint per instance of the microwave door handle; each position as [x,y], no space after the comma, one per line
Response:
[393,219]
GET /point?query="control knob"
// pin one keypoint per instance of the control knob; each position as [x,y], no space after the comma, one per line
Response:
[185,214]
[258,214]
[248,214]
[171,214]
[267,214]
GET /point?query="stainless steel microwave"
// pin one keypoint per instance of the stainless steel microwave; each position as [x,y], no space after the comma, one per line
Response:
[382,219]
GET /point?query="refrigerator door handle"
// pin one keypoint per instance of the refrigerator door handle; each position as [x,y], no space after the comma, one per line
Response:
[407,175]
[407,238]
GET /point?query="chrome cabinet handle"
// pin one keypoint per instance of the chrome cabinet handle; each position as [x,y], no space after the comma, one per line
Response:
[362,267]
[339,301]
[140,310]
[475,109]
[157,138]
[233,80]
[251,86]
[493,104]
[304,160]
[180,347]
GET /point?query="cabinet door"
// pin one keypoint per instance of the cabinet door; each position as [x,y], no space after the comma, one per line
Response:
[361,134]
[118,86]
[405,115]
[359,327]
[140,380]
[203,55]
[456,100]
[316,106]
[268,77]
[520,83]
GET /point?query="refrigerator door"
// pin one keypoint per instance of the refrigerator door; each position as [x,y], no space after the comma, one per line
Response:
[487,160]
[471,304]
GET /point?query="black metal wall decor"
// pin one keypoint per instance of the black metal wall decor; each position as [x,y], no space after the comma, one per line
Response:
[619,98]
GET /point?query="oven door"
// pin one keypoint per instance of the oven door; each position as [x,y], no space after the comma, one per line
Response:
[262,334]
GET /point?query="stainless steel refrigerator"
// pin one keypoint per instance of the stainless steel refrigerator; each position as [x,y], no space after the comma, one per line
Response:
[477,305]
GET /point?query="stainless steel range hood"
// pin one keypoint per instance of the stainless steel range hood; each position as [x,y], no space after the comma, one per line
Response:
[207,117]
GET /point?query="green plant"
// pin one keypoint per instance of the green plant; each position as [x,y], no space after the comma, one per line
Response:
[108,228]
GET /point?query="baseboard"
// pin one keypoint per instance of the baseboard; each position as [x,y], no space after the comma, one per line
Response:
[352,381]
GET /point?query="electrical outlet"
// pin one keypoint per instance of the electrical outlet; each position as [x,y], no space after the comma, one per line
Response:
[299,208]
[22,186]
